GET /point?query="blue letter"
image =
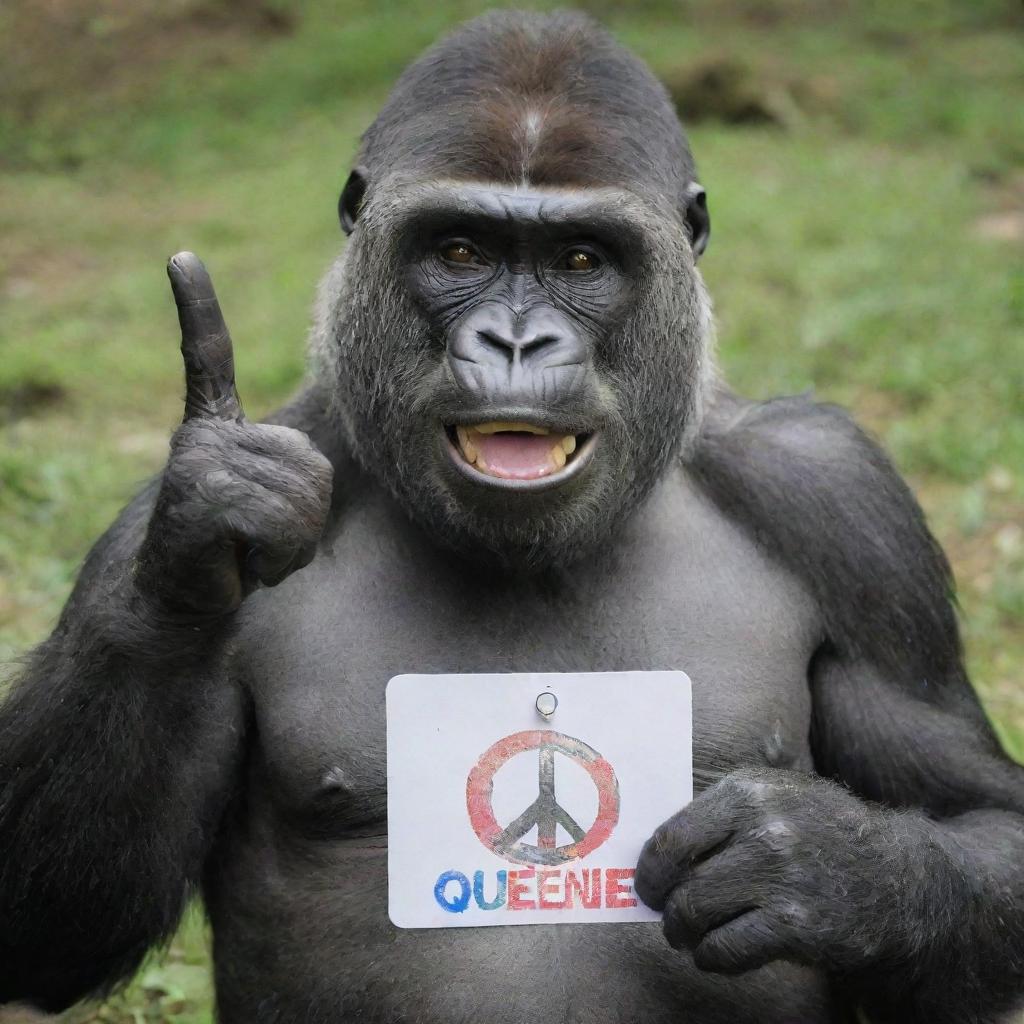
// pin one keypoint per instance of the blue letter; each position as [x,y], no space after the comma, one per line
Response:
[478,891]
[459,904]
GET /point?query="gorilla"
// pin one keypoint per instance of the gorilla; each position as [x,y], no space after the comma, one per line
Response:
[514,452]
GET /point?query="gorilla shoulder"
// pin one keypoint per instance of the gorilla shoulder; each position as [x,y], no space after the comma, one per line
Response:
[821,495]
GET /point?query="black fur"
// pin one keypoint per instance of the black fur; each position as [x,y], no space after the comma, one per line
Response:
[827,499]
[115,766]
[461,109]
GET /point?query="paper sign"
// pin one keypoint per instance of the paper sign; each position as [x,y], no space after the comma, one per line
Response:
[499,814]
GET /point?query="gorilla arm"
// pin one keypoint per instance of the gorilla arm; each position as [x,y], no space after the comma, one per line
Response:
[118,747]
[120,744]
[960,842]
[906,882]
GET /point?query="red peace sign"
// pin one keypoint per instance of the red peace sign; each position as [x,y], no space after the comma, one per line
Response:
[545,812]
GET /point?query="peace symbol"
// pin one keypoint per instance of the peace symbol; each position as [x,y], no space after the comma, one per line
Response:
[545,812]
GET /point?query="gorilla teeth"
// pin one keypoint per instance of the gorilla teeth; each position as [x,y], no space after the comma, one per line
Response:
[473,439]
[469,452]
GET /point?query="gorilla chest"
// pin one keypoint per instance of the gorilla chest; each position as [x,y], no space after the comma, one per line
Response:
[681,589]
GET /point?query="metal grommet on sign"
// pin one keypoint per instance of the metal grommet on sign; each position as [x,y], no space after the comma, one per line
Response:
[546,704]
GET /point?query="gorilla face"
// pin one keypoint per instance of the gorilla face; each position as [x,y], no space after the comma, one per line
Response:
[516,364]
[521,288]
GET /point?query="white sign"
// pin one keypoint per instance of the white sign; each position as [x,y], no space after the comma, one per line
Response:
[526,798]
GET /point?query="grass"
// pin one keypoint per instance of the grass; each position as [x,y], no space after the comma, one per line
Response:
[867,243]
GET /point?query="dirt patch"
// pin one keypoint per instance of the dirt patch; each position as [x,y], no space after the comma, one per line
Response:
[1005,221]
[1006,226]
[30,398]
[727,90]
[30,267]
[60,57]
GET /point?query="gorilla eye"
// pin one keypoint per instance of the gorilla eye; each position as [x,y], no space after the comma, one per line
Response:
[458,252]
[580,261]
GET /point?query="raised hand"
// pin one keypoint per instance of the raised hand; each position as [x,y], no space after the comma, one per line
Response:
[240,504]
[768,865]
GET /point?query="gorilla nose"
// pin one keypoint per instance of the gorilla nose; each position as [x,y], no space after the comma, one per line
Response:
[497,338]
[530,359]
[517,349]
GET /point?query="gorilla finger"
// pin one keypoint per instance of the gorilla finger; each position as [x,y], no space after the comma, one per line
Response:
[275,442]
[305,555]
[304,477]
[272,438]
[696,832]
[692,911]
[744,873]
[205,342]
[667,857]
[746,942]
[310,499]
[678,922]
[272,567]
[260,516]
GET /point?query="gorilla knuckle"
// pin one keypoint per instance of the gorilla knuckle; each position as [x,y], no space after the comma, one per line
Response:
[753,785]
[228,493]
[708,955]
[792,916]
[310,496]
[274,440]
[190,461]
[196,433]
[663,840]
[215,481]
[320,474]
[289,459]
[778,836]
[733,795]
[199,446]
[757,789]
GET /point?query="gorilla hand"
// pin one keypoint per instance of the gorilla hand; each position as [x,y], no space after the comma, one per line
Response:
[768,865]
[239,503]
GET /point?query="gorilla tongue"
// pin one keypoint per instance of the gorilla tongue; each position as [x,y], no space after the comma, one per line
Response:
[518,452]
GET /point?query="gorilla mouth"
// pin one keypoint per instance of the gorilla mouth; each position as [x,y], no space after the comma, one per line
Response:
[518,454]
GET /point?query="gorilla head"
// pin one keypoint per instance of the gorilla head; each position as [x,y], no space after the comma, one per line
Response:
[516,337]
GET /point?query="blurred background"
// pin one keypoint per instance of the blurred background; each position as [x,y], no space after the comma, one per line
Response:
[865,168]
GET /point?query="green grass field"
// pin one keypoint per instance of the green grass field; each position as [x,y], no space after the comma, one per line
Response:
[865,169]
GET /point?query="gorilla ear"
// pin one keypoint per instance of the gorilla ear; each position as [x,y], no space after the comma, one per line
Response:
[695,213]
[351,199]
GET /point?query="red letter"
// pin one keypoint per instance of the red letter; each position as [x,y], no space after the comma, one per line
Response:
[516,888]
[613,898]
[589,892]
[547,886]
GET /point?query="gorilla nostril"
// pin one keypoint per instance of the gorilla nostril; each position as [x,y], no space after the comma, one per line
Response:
[496,343]
[510,347]
[538,342]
